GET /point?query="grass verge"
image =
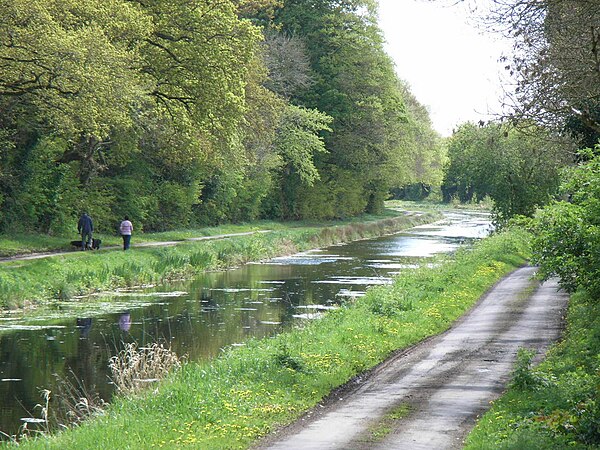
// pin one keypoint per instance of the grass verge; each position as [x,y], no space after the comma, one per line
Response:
[247,392]
[62,277]
[555,405]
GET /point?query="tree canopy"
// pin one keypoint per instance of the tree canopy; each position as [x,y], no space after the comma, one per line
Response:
[199,112]
[519,169]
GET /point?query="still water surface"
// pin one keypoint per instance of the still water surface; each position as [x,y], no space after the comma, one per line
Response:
[201,317]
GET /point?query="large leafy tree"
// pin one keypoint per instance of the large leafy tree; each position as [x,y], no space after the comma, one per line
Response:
[519,169]
[69,64]
[297,144]
[125,84]
[355,83]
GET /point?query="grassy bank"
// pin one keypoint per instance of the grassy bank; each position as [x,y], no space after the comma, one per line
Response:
[62,277]
[249,391]
[557,404]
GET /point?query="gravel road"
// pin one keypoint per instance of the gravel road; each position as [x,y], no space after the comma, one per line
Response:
[429,397]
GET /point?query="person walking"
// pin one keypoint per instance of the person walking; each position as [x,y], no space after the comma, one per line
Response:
[85,227]
[126,228]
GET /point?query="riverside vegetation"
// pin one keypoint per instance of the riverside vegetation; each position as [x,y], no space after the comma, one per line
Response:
[235,399]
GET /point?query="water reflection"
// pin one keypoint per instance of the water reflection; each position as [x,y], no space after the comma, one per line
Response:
[125,321]
[201,317]
[84,325]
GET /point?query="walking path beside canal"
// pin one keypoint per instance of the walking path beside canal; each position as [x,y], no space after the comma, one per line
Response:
[142,244]
[429,396]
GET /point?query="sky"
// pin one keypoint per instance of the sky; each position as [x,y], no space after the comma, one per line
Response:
[450,65]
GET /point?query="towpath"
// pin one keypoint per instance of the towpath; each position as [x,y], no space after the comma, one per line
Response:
[141,244]
[428,397]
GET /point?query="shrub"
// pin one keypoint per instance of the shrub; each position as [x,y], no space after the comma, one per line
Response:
[567,240]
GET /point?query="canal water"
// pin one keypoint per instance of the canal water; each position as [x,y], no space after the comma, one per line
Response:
[199,318]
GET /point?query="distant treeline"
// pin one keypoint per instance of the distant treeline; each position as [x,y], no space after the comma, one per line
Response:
[190,112]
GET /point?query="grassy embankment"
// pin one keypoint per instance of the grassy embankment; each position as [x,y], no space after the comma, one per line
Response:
[249,391]
[555,405]
[26,282]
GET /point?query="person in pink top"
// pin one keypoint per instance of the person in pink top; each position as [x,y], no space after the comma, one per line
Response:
[126,228]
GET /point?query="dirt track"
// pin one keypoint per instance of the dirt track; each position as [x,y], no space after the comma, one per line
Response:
[430,396]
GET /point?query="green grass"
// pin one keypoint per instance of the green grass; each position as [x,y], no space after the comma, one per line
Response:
[557,404]
[381,429]
[425,205]
[247,392]
[63,277]
[18,244]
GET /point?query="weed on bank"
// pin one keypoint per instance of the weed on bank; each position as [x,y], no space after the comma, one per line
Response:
[249,391]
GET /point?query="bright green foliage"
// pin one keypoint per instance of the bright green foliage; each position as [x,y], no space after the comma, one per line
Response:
[567,240]
[297,143]
[68,59]
[355,83]
[197,57]
[519,169]
[151,92]
[173,113]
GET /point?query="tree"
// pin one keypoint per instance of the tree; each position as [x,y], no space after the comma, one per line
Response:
[287,62]
[355,83]
[557,56]
[125,84]
[66,60]
[555,61]
[297,143]
[519,169]
[424,151]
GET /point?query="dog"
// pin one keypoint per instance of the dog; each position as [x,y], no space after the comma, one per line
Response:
[95,244]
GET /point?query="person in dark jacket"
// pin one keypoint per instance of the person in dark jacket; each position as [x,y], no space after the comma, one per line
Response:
[85,226]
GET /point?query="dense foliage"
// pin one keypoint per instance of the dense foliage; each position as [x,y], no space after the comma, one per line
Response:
[200,112]
[567,242]
[518,169]
[381,136]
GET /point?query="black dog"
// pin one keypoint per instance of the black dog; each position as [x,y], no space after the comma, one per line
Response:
[95,244]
